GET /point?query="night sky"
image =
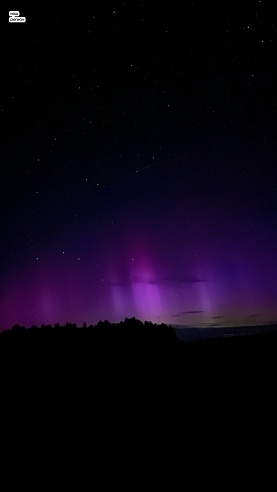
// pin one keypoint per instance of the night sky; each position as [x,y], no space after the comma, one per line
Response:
[138,168]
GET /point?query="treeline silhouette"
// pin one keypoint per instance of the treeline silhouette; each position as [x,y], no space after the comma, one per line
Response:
[129,406]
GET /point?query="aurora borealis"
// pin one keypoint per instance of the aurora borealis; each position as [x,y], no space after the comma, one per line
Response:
[138,173]
[201,277]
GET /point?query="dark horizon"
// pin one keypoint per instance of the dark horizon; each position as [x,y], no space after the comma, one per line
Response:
[185,333]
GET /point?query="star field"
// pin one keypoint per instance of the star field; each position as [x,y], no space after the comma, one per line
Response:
[138,173]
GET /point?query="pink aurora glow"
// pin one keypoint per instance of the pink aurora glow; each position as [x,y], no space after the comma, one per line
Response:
[204,282]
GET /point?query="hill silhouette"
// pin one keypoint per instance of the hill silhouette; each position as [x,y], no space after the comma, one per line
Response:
[130,406]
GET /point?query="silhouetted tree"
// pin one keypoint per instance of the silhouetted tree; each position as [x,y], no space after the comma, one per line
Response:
[18,329]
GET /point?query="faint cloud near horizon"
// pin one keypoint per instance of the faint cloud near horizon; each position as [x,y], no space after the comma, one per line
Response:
[158,280]
[182,313]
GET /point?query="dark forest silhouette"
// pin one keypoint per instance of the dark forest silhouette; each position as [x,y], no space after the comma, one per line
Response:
[131,407]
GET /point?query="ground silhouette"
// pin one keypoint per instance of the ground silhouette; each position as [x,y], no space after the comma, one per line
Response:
[129,407]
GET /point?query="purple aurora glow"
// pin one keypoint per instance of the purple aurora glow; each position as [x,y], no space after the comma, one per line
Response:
[213,274]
